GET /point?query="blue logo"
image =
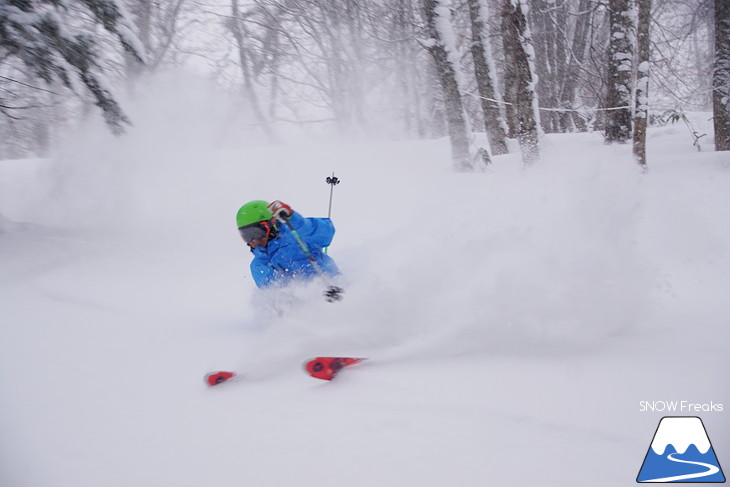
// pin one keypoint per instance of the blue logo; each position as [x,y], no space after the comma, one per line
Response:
[681,452]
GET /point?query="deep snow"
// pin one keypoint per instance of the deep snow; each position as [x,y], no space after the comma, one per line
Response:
[515,318]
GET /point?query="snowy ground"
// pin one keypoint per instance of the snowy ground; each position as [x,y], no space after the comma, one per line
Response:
[515,319]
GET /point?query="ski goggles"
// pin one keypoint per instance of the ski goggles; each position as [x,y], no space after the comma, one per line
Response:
[254,231]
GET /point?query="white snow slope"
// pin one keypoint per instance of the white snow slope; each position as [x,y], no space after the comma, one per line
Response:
[515,319]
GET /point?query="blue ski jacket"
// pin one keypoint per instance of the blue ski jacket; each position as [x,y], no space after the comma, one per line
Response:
[283,259]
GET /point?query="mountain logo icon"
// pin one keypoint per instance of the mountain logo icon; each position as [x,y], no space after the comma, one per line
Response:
[680,452]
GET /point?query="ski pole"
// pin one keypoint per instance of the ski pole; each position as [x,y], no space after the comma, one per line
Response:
[332,181]
[332,293]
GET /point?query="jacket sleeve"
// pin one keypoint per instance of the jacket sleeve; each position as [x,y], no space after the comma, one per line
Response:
[316,232]
[263,274]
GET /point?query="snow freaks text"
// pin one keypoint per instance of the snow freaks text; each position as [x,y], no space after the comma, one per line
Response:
[680,407]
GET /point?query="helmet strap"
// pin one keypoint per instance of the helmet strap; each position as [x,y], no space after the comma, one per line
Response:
[271,229]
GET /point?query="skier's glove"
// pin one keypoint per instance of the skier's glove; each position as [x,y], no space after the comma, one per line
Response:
[333,293]
[277,209]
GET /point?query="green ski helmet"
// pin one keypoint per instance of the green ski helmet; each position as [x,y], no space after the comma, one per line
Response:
[253,212]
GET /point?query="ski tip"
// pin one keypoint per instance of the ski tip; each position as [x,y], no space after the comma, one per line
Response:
[215,378]
[326,368]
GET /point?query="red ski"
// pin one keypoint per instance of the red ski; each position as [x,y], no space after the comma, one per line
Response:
[215,378]
[326,368]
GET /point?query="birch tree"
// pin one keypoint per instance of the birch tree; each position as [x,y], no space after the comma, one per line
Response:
[620,50]
[520,79]
[576,56]
[550,65]
[641,107]
[441,46]
[721,76]
[484,74]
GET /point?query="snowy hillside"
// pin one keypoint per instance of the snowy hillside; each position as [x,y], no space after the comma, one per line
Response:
[514,318]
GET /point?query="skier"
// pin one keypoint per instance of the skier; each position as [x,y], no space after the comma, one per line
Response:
[285,251]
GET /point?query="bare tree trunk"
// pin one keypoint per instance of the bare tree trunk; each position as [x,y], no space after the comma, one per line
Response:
[618,99]
[721,78]
[641,108]
[438,17]
[569,118]
[541,17]
[484,74]
[520,79]
[561,63]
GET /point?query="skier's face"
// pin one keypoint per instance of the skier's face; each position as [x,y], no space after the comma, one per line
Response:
[256,234]
[259,242]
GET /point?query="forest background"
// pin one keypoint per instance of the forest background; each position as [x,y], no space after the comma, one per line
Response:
[402,69]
